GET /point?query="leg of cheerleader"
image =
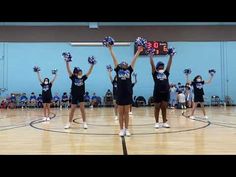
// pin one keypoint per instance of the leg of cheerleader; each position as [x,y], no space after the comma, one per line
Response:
[44,111]
[71,115]
[130,109]
[82,110]
[157,107]
[126,119]
[115,109]
[48,108]
[203,110]
[121,119]
[164,105]
[193,109]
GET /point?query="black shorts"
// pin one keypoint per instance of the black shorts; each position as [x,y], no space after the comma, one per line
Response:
[161,97]
[47,100]
[125,100]
[77,99]
[198,98]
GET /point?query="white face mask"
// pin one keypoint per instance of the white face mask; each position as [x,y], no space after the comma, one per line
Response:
[161,71]
[199,80]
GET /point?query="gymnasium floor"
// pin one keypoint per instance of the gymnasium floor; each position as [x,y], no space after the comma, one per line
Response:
[23,132]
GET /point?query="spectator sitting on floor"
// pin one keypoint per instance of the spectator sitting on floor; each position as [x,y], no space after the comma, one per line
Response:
[64,100]
[94,100]
[40,101]
[56,101]
[87,99]
[33,100]
[23,100]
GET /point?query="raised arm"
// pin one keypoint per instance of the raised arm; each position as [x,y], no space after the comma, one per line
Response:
[90,70]
[152,64]
[140,49]
[113,56]
[39,78]
[68,69]
[169,63]
[210,79]
[109,72]
[54,78]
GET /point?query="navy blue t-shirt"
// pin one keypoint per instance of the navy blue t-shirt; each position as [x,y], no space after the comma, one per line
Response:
[198,87]
[161,82]
[78,85]
[124,81]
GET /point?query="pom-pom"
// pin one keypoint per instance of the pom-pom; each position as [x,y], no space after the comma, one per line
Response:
[171,51]
[36,69]
[141,42]
[109,68]
[187,71]
[134,74]
[67,56]
[108,41]
[212,72]
[92,60]
[150,51]
[54,71]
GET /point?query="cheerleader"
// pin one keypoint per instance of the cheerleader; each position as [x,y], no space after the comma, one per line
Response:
[114,85]
[124,90]
[161,89]
[46,95]
[198,91]
[77,92]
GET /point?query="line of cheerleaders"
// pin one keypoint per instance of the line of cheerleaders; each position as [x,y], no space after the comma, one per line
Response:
[122,87]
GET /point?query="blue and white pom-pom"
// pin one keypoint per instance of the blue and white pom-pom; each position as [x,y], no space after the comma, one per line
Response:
[36,69]
[54,71]
[212,72]
[109,68]
[141,42]
[171,51]
[108,41]
[187,71]
[150,51]
[92,60]
[67,56]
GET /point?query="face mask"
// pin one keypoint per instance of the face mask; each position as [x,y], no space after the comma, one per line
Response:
[46,82]
[199,80]
[161,71]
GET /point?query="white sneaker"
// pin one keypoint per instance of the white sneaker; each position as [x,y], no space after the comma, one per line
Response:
[122,133]
[206,117]
[67,125]
[85,125]
[165,125]
[127,133]
[192,117]
[157,125]
[44,118]
[48,118]
[130,113]
[116,117]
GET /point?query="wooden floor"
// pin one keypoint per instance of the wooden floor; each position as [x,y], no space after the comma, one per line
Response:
[23,132]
